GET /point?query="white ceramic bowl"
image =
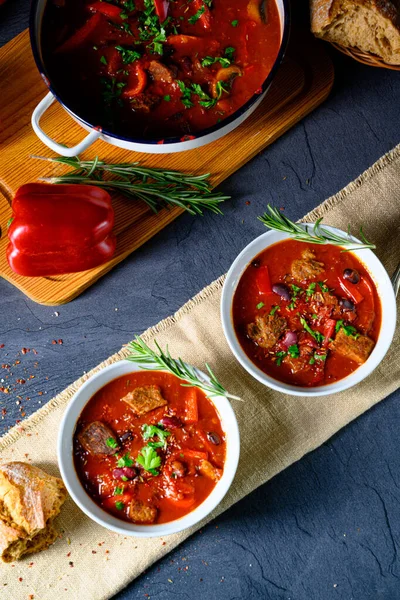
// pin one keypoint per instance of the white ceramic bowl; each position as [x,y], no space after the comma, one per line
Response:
[388,325]
[90,508]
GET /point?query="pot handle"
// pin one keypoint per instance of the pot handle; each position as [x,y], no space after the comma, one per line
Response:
[59,148]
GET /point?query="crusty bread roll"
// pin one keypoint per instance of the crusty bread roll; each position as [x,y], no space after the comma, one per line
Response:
[30,499]
[371,25]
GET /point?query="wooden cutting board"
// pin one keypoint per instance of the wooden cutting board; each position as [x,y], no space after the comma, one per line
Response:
[303,81]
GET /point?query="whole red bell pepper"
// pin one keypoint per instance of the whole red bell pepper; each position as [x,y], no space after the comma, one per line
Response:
[60,229]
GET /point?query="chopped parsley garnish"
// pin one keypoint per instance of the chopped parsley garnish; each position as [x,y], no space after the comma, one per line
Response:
[119,505]
[274,309]
[235,23]
[323,287]
[103,60]
[320,356]
[260,305]
[310,290]
[150,431]
[314,316]
[186,94]
[124,478]
[111,443]
[192,20]
[224,61]
[296,290]
[294,351]
[319,337]
[349,330]
[150,27]
[111,89]
[167,98]
[279,357]
[128,56]
[125,461]
[129,5]
[149,460]
[118,491]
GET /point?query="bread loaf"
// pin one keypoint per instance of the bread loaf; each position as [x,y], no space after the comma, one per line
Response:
[373,26]
[30,499]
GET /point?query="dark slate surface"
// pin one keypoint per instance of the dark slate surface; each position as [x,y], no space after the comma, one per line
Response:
[329,526]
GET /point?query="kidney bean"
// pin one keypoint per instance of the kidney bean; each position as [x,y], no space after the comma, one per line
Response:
[351,275]
[128,472]
[281,290]
[171,422]
[347,304]
[126,437]
[214,438]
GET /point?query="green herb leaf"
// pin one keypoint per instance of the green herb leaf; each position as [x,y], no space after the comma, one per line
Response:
[192,20]
[260,305]
[111,443]
[235,23]
[149,460]
[128,56]
[274,219]
[124,478]
[294,351]
[274,309]
[125,461]
[279,357]
[103,60]
[311,361]
[319,337]
[119,505]
[310,290]
[167,98]
[320,356]
[159,360]
[150,431]
[118,491]
[349,330]
[323,287]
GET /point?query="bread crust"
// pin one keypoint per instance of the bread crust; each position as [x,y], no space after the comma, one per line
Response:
[373,26]
[29,501]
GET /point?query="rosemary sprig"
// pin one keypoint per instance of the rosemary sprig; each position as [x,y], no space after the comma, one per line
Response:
[158,188]
[142,355]
[274,219]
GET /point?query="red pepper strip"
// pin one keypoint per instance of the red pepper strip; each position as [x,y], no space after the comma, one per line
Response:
[161,7]
[188,453]
[351,290]
[205,18]
[137,81]
[108,10]
[184,503]
[60,229]
[368,285]
[82,35]
[329,329]
[192,411]
[263,281]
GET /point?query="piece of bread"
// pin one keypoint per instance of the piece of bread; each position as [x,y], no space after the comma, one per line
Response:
[30,499]
[373,26]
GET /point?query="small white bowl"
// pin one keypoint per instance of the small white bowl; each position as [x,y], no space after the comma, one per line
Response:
[90,508]
[388,324]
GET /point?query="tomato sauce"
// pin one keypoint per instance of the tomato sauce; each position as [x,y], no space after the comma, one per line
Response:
[155,69]
[344,321]
[182,481]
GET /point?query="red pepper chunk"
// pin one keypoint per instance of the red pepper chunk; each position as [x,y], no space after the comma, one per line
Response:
[60,229]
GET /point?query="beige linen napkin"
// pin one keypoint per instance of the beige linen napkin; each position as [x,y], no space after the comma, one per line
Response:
[91,563]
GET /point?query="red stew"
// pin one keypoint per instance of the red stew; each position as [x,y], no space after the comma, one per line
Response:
[306,314]
[148,450]
[159,68]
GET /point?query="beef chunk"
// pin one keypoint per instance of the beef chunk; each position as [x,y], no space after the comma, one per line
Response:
[356,349]
[139,512]
[306,267]
[266,330]
[94,439]
[208,470]
[144,399]
[160,72]
[144,102]
[325,304]
[302,363]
